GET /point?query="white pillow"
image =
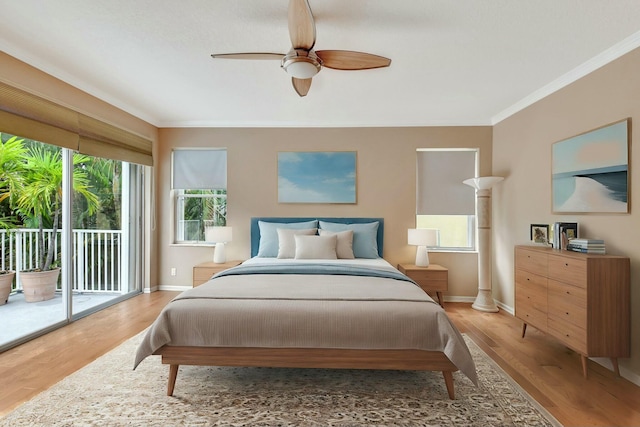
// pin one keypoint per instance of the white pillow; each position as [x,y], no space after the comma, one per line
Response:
[365,240]
[316,247]
[286,242]
[268,245]
[344,247]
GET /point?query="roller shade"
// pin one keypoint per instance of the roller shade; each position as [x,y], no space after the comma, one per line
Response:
[101,139]
[199,169]
[440,190]
[30,116]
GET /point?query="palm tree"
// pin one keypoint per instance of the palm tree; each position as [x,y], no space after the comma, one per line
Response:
[12,153]
[40,194]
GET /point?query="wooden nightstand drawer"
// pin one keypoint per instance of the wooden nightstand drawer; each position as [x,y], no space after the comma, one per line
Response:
[203,272]
[434,278]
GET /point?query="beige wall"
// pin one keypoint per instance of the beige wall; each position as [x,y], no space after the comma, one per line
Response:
[386,177]
[522,153]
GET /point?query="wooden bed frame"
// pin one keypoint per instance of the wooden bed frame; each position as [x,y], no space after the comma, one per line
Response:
[409,360]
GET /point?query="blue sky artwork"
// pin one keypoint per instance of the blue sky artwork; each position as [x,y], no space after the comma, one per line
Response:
[317,177]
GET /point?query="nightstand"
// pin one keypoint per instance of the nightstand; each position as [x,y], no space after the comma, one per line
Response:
[434,278]
[203,272]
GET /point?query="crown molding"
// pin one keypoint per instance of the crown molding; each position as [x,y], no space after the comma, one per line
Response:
[598,61]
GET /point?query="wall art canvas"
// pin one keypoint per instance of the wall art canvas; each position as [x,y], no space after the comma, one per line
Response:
[317,177]
[590,171]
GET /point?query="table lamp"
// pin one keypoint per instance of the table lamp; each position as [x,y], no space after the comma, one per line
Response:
[422,237]
[219,236]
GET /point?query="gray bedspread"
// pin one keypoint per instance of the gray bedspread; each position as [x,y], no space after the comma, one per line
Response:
[316,310]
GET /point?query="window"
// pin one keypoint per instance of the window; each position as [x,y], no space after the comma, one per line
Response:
[443,202]
[199,185]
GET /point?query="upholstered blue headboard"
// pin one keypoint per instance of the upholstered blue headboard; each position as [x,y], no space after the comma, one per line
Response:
[255,229]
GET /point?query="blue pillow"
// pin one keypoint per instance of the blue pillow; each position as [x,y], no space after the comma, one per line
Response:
[268,247]
[365,242]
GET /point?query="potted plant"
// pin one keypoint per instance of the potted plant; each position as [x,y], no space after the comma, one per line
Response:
[38,200]
[6,282]
[12,155]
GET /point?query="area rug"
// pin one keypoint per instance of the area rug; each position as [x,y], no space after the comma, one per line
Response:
[108,392]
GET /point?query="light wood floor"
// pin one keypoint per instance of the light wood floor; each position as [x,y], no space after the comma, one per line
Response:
[551,373]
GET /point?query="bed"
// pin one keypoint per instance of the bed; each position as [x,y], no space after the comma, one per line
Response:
[316,293]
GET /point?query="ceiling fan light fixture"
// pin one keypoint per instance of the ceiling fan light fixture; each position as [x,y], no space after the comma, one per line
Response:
[301,66]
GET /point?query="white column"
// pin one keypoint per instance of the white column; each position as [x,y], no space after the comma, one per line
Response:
[484,300]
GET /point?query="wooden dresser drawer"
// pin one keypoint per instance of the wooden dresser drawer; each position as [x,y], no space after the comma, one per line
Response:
[531,299]
[529,314]
[527,278]
[568,333]
[572,270]
[531,261]
[568,302]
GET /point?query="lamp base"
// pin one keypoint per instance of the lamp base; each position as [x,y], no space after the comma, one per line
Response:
[422,257]
[219,256]
[484,302]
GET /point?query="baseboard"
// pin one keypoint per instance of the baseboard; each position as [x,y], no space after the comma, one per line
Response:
[174,288]
[470,300]
[624,372]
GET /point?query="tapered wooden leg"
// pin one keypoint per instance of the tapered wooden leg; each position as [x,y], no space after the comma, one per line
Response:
[440,300]
[584,365]
[616,368]
[524,329]
[173,374]
[448,380]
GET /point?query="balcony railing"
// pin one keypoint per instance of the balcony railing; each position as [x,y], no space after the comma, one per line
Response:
[97,257]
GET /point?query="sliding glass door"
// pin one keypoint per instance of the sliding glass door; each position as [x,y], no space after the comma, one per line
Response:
[76,215]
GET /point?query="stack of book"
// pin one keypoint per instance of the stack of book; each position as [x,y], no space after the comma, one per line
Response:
[563,232]
[588,246]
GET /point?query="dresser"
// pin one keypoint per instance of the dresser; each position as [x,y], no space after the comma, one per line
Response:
[203,272]
[582,300]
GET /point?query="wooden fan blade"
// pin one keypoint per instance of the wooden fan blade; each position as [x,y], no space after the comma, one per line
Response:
[301,85]
[302,27]
[351,60]
[249,55]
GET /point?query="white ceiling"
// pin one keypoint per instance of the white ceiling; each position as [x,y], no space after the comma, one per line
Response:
[454,62]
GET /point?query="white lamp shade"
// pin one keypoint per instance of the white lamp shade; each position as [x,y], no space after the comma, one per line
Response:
[422,236]
[483,182]
[218,234]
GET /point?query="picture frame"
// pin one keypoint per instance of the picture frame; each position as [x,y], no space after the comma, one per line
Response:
[590,171]
[539,233]
[317,177]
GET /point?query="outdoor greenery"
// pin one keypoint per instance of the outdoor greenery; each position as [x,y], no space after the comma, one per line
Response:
[31,191]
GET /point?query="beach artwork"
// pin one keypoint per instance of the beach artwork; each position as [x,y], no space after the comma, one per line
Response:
[590,171]
[317,177]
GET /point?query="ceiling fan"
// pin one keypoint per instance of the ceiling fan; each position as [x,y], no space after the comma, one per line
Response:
[302,62]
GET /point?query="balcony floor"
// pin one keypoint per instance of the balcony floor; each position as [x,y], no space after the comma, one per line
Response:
[21,318]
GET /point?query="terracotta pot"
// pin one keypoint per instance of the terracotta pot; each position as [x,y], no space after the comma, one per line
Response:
[5,286]
[39,285]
